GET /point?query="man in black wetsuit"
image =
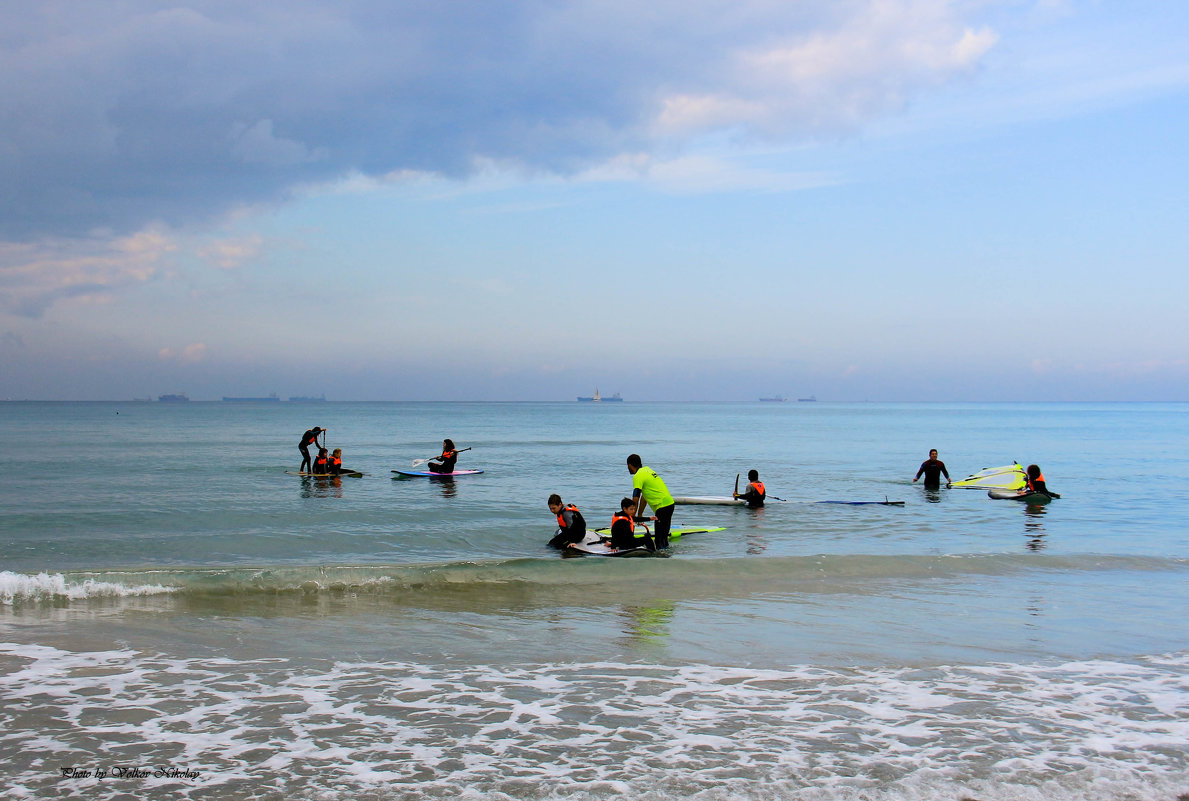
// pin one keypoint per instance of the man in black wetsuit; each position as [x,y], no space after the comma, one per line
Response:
[933,468]
[307,439]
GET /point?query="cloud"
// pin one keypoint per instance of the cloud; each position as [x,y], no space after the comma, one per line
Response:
[829,80]
[190,354]
[119,117]
[228,254]
[34,276]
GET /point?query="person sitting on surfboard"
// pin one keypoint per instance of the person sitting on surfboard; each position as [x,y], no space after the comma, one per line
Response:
[307,439]
[322,463]
[933,469]
[755,494]
[336,462]
[1036,483]
[445,462]
[649,486]
[571,526]
[623,529]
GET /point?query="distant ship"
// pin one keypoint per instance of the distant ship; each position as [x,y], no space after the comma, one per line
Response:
[777,399]
[810,399]
[597,398]
[268,399]
[307,399]
[176,397]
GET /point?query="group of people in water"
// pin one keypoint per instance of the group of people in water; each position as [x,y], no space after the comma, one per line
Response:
[330,463]
[648,489]
[326,463]
[933,469]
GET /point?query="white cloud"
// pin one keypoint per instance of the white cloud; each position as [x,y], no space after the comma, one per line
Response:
[229,254]
[826,81]
[33,276]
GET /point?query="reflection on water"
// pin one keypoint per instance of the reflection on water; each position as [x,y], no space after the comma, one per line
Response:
[932,495]
[1034,529]
[321,486]
[647,625]
[446,485]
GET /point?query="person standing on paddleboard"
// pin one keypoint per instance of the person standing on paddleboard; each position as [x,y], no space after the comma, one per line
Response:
[648,485]
[933,469]
[755,493]
[571,526]
[307,439]
[445,462]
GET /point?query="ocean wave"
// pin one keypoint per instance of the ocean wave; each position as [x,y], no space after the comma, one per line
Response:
[18,587]
[678,578]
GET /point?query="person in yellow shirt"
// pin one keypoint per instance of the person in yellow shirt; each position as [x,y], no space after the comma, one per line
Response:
[649,488]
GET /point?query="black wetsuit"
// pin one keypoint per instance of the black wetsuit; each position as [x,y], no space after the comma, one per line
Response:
[623,534]
[307,439]
[571,528]
[446,465]
[754,495]
[933,469]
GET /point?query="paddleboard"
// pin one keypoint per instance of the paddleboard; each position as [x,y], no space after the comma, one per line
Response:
[351,473]
[428,474]
[710,500]
[594,546]
[1029,497]
[864,503]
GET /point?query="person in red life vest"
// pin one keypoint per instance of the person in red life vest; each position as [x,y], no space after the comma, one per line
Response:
[322,463]
[623,529]
[932,469]
[336,462]
[1036,483]
[307,439]
[445,462]
[571,526]
[755,494]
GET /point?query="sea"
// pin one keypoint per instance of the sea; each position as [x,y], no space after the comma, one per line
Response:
[182,618]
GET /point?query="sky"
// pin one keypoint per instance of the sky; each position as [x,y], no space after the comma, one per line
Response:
[859,200]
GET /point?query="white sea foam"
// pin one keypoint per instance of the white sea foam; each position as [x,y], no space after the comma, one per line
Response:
[1092,731]
[22,588]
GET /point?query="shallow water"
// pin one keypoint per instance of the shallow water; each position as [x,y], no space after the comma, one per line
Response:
[172,599]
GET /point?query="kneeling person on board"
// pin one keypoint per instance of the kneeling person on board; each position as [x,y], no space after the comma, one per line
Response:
[933,468]
[623,529]
[336,462]
[649,487]
[445,462]
[571,526]
[754,494]
[1036,483]
[322,463]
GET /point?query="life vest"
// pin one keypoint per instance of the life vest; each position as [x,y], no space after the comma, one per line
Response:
[1040,478]
[621,515]
[337,461]
[320,461]
[561,520]
[759,487]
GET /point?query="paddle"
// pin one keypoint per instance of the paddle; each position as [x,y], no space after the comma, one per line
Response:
[735,494]
[418,462]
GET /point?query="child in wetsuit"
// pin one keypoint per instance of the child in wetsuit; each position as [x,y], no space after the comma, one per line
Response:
[623,529]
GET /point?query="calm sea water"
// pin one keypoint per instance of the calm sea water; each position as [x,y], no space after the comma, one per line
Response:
[182,619]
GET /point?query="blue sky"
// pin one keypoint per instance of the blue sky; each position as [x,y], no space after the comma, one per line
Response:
[857,199]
